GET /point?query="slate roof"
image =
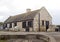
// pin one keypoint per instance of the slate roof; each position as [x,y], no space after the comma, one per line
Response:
[23,16]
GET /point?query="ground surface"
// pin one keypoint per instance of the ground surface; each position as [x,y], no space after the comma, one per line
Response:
[55,35]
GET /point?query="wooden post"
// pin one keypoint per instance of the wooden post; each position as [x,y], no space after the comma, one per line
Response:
[39,20]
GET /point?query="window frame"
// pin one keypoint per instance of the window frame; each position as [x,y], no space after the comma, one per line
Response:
[30,23]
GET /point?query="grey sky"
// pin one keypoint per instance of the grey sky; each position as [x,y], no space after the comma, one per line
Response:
[14,7]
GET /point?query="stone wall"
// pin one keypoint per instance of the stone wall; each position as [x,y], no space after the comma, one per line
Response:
[19,24]
[44,15]
[12,25]
[25,38]
[8,25]
[51,28]
[35,23]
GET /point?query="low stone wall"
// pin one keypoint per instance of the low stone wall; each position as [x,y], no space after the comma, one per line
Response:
[26,38]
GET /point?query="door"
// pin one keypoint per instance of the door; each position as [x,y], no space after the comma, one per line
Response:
[47,25]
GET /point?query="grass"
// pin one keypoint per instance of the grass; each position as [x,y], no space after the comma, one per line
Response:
[3,40]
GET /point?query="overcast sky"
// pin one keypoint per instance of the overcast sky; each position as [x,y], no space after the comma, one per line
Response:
[14,7]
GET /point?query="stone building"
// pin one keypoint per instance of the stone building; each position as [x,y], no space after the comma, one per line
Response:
[37,20]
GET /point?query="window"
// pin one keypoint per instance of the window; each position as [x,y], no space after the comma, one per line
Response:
[47,23]
[42,22]
[10,25]
[30,23]
[15,24]
[24,24]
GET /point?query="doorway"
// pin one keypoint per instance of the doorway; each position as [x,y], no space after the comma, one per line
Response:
[47,25]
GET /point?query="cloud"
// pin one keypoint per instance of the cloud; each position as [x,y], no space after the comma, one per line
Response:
[14,7]
[4,9]
[3,18]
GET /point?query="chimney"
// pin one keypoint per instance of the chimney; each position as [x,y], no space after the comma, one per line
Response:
[28,10]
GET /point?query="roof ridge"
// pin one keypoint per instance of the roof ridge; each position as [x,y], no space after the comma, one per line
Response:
[26,12]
